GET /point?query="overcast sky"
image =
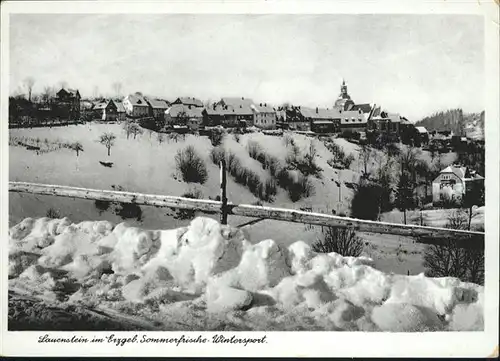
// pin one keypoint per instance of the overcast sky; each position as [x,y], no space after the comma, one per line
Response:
[411,64]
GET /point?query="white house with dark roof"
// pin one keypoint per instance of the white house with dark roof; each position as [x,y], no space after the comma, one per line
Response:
[136,105]
[353,120]
[453,182]
[264,116]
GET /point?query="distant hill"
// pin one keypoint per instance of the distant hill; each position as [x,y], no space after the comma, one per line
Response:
[470,124]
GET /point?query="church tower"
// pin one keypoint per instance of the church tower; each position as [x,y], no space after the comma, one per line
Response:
[344,101]
[343,91]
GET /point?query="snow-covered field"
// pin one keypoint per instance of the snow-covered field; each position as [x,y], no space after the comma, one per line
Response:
[209,277]
[148,166]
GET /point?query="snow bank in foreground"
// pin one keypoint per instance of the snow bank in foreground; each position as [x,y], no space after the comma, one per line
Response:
[211,272]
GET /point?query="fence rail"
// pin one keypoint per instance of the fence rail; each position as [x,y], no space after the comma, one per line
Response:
[423,234]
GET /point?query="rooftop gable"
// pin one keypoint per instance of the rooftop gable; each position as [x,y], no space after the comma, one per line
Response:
[189,101]
[137,100]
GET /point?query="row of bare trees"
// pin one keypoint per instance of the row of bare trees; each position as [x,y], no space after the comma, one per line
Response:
[49,92]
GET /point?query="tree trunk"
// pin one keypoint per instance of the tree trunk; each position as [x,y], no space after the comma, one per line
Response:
[77,152]
[109,150]
[470,218]
[404,215]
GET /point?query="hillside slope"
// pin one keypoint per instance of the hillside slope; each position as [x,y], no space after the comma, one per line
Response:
[455,120]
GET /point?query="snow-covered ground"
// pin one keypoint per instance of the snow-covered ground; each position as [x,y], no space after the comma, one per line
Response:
[209,277]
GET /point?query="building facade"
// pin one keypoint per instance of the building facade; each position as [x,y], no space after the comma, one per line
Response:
[353,121]
[453,182]
[67,103]
[157,108]
[105,111]
[136,106]
[186,116]
[264,116]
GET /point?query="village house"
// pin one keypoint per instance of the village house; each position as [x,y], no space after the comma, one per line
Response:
[385,122]
[136,106]
[237,112]
[121,114]
[453,182]
[186,116]
[353,121]
[423,135]
[105,111]
[157,108]
[68,103]
[294,119]
[189,101]
[264,116]
[321,120]
[213,115]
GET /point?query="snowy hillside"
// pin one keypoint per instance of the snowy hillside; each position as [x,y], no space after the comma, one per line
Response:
[209,277]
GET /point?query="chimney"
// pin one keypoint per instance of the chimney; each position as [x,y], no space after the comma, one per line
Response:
[242,98]
[260,104]
[265,104]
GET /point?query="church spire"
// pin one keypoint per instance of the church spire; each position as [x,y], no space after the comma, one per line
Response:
[343,91]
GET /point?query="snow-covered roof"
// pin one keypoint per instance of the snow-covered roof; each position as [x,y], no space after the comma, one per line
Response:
[421,130]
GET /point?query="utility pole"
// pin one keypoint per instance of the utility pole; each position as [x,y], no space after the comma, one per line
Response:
[223,198]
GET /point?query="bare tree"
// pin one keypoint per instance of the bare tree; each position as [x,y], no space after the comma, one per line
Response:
[63,84]
[29,82]
[365,156]
[343,241]
[108,140]
[160,137]
[95,92]
[46,94]
[135,129]
[77,147]
[127,128]
[182,118]
[117,88]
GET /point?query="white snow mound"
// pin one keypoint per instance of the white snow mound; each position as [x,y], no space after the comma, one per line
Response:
[213,268]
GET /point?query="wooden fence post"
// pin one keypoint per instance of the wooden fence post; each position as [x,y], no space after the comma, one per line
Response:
[223,198]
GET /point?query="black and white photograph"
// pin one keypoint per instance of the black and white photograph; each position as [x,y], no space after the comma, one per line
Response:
[236,172]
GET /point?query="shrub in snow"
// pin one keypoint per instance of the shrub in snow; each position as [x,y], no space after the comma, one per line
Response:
[102,206]
[217,154]
[216,136]
[191,166]
[365,203]
[446,258]
[188,213]
[297,185]
[339,159]
[128,210]
[343,241]
[52,213]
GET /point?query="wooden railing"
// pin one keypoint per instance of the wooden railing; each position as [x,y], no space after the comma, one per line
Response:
[423,234]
